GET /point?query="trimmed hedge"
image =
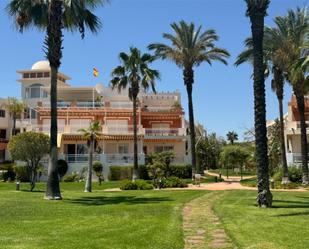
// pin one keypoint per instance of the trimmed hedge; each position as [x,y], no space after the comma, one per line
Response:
[125,172]
[137,185]
[181,171]
[7,171]
[120,173]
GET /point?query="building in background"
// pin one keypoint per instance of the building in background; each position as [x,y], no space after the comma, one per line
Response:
[160,118]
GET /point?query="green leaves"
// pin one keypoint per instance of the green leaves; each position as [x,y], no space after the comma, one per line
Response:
[134,72]
[189,46]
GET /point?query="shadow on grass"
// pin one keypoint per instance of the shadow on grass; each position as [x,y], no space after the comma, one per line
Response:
[33,191]
[305,213]
[290,204]
[102,200]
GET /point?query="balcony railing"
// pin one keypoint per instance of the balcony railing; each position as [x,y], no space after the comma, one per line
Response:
[123,159]
[80,158]
[111,130]
[121,129]
[164,131]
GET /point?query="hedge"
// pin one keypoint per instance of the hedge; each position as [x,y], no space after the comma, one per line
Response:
[125,172]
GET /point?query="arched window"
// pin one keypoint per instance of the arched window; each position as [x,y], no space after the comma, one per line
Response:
[35,91]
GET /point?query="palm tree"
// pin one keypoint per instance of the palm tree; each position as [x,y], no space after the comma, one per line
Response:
[232,136]
[256,10]
[134,72]
[274,61]
[91,134]
[190,47]
[53,16]
[292,32]
[15,108]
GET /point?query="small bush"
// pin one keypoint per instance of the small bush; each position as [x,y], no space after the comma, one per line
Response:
[137,185]
[295,174]
[74,177]
[143,172]
[22,173]
[181,171]
[173,182]
[62,167]
[120,173]
[97,167]
[7,171]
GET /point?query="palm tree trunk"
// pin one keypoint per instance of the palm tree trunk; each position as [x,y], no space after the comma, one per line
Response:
[53,42]
[135,159]
[14,126]
[279,84]
[285,172]
[88,186]
[303,133]
[264,197]
[188,76]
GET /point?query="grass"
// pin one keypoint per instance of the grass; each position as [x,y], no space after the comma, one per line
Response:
[232,173]
[252,182]
[128,219]
[281,227]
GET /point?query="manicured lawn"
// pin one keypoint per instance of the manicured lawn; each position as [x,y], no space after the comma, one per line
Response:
[283,226]
[252,182]
[118,220]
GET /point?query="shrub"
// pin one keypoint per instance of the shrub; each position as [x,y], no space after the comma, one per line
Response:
[137,185]
[143,172]
[173,182]
[71,178]
[181,171]
[295,174]
[62,167]
[22,173]
[120,173]
[7,171]
[98,169]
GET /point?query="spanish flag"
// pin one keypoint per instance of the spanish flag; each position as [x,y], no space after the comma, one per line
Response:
[95,72]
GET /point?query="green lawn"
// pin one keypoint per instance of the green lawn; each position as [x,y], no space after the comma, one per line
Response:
[128,219]
[284,226]
[145,219]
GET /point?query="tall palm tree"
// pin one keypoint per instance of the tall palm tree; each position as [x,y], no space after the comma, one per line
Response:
[91,134]
[190,47]
[232,136]
[15,108]
[274,62]
[256,10]
[53,16]
[292,31]
[134,73]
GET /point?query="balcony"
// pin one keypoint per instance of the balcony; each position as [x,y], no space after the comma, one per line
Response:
[121,130]
[80,158]
[159,132]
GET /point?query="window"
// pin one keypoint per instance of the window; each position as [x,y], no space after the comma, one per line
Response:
[26,75]
[35,91]
[46,75]
[81,149]
[123,148]
[2,113]
[40,75]
[3,133]
[32,75]
[162,148]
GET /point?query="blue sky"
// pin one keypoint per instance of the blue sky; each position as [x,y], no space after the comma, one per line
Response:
[223,95]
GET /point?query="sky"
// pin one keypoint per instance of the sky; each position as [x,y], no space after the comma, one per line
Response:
[222,95]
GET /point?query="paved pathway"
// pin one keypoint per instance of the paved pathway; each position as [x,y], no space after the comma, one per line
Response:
[202,228]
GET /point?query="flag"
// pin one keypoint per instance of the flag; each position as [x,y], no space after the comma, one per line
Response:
[95,72]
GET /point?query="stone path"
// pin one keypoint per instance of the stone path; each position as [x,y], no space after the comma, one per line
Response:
[202,228]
